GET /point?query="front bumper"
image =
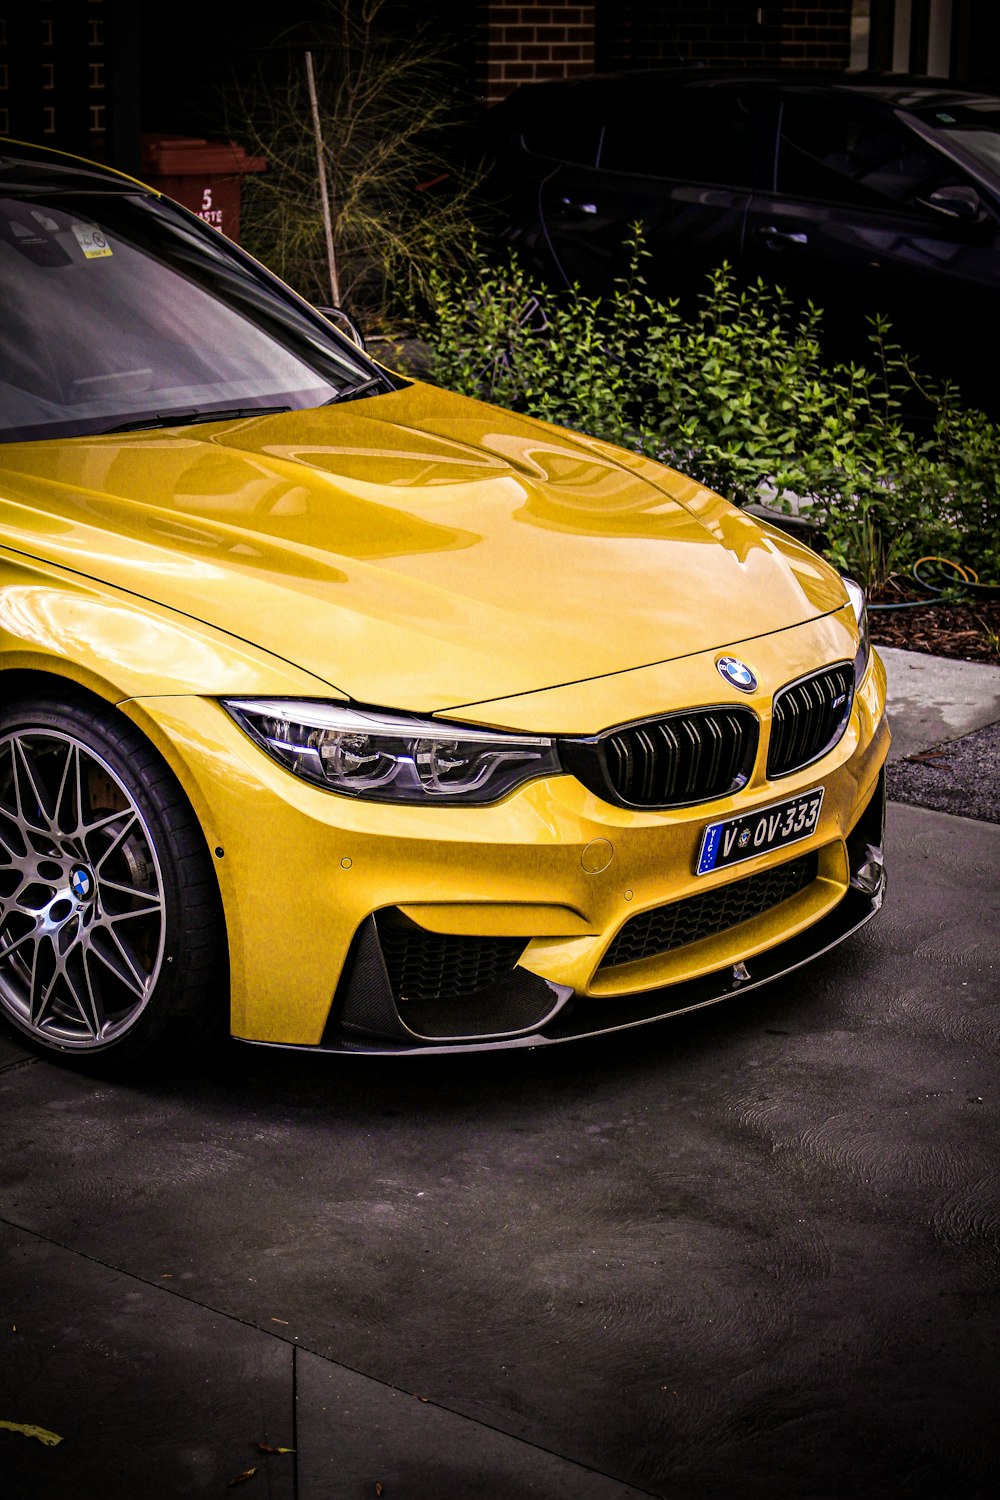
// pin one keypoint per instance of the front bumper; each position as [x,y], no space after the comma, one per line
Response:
[320,891]
[574,1017]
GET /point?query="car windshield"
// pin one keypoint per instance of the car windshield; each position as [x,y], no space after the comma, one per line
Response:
[117,310]
[975,127]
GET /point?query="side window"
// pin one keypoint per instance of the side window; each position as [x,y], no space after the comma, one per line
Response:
[562,121]
[840,155]
[690,135]
[564,138]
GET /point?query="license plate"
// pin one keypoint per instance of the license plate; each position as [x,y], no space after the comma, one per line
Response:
[736,839]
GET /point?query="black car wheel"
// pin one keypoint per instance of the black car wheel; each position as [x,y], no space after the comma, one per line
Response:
[110,933]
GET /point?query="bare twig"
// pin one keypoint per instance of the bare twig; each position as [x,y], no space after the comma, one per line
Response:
[331,254]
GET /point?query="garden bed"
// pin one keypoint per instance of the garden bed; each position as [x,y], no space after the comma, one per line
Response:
[966,632]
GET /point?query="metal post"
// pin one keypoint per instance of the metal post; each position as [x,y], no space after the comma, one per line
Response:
[331,255]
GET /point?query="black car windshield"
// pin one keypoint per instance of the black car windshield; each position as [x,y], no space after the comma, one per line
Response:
[975,127]
[117,310]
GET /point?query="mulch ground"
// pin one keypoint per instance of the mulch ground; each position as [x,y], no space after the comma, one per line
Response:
[968,632]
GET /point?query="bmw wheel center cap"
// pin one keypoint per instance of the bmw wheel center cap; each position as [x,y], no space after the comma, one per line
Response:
[81,883]
[737,673]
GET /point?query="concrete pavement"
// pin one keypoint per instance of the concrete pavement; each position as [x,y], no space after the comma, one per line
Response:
[750,1252]
[933,699]
[945,718]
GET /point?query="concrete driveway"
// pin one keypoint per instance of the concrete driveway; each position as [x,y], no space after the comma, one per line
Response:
[754,1252]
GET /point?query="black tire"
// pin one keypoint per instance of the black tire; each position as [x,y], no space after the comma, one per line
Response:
[112,945]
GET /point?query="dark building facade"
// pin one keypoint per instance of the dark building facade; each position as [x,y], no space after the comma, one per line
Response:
[531,40]
[70,77]
[90,75]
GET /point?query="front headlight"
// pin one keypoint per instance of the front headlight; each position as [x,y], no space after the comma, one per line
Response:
[856,594]
[391,758]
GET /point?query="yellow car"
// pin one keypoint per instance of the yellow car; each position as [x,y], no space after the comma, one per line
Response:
[380,719]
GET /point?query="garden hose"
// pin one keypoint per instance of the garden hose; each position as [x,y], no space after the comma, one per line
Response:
[963,578]
[966,578]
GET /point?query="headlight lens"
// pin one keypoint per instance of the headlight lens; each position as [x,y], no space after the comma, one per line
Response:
[391,758]
[856,594]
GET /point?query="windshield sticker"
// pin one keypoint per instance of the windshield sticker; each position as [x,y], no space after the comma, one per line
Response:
[91,241]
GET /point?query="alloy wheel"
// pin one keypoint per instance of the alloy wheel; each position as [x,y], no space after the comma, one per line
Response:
[82,909]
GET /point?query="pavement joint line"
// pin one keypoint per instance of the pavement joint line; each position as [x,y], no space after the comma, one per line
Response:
[18,1062]
[295,1421]
[296,1346]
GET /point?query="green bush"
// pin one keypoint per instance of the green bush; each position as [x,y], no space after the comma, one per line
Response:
[737,393]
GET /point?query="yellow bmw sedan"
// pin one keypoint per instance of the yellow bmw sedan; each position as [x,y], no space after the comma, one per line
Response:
[367,716]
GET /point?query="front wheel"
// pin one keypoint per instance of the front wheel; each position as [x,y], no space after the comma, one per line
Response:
[110,931]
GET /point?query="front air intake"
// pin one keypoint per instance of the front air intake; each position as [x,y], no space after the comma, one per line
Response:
[405,985]
[651,933]
[431,966]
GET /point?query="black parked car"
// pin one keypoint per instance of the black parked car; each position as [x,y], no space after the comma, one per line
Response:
[862,195]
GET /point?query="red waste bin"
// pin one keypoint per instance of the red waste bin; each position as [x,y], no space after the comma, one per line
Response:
[205,176]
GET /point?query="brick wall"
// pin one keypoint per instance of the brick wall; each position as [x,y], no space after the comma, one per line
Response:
[797,33]
[531,41]
[816,35]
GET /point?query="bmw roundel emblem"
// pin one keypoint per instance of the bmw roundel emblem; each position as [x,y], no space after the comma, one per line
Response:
[81,883]
[737,673]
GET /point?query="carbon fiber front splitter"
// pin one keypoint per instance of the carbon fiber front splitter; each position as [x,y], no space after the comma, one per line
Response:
[585,1016]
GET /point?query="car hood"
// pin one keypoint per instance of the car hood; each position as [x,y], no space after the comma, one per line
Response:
[417,550]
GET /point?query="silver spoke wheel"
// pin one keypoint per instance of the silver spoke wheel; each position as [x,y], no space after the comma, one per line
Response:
[82,906]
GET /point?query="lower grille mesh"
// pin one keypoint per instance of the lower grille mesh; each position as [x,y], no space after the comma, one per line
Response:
[429,966]
[650,933]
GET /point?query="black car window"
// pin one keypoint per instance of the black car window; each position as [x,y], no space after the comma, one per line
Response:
[842,155]
[564,136]
[691,135]
[115,307]
[973,125]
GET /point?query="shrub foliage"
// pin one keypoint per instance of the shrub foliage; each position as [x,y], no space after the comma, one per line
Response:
[890,467]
